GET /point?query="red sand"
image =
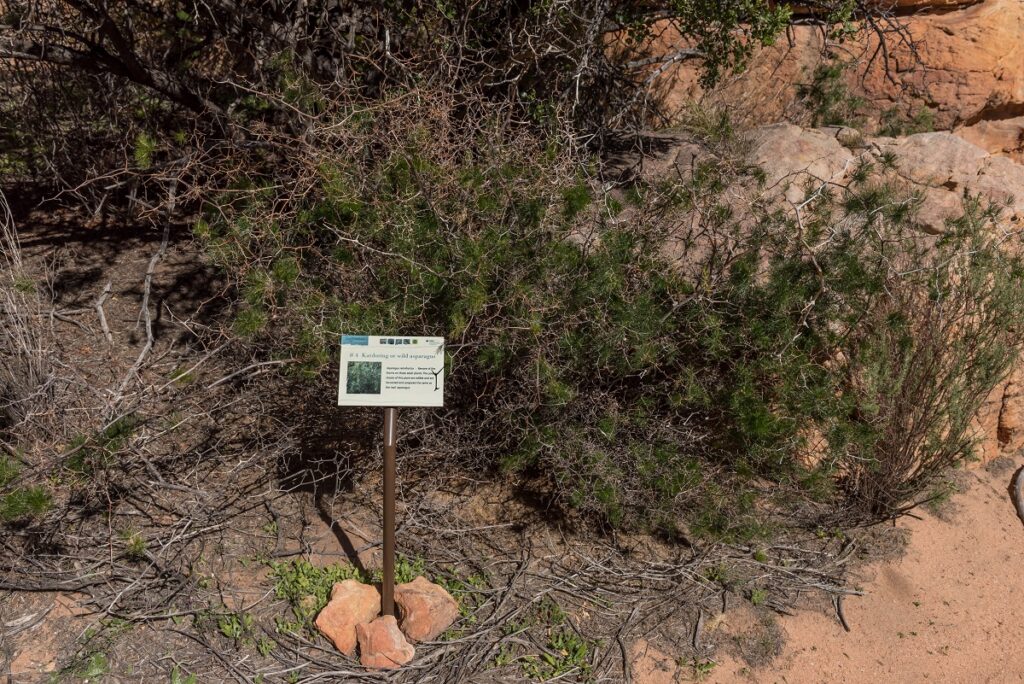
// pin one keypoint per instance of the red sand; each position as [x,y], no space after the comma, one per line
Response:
[950,610]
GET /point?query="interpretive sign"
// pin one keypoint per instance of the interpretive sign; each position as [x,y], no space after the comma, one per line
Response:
[391,370]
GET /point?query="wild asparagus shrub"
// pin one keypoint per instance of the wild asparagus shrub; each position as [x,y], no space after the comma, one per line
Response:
[648,356]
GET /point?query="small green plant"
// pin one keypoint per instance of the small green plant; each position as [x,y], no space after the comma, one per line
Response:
[504,657]
[828,99]
[307,587]
[758,596]
[702,669]
[91,666]
[178,678]
[406,570]
[24,284]
[265,646]
[28,502]
[466,592]
[145,147]
[99,451]
[895,123]
[719,574]
[134,544]
[249,322]
[235,625]
[96,666]
[19,502]
[566,652]
[182,376]
[548,612]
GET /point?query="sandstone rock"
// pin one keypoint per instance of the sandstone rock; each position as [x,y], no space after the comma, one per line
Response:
[382,646]
[1010,428]
[937,158]
[946,166]
[973,63]
[971,70]
[427,609]
[352,603]
[999,424]
[1003,137]
[792,157]
[940,166]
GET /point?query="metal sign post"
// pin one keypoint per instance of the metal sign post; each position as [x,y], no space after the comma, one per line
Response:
[391,371]
[387,590]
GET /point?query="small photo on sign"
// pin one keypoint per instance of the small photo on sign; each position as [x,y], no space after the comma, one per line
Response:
[363,377]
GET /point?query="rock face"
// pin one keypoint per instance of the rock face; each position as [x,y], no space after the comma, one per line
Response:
[999,425]
[791,156]
[427,610]
[352,603]
[942,166]
[946,166]
[971,70]
[1002,136]
[382,646]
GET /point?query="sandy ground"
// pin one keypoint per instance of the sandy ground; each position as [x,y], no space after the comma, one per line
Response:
[950,610]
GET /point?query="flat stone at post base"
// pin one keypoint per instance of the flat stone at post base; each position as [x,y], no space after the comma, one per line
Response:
[382,646]
[426,609]
[352,603]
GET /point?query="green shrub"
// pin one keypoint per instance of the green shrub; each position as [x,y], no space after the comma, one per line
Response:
[297,580]
[895,123]
[828,98]
[637,388]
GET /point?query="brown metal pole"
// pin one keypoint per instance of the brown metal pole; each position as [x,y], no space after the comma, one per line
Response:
[387,590]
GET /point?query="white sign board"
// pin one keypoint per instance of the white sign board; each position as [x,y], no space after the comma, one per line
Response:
[391,370]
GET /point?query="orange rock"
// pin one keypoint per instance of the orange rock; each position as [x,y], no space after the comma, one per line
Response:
[426,609]
[382,646]
[352,603]
[973,64]
[971,68]
[998,425]
[1002,136]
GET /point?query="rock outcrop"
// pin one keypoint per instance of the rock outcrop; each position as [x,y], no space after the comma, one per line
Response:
[962,61]
[1001,136]
[942,166]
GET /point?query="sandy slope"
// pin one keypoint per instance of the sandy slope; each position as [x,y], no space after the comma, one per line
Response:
[950,610]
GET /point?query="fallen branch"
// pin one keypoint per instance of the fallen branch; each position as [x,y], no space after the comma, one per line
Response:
[147,287]
[103,317]
[839,612]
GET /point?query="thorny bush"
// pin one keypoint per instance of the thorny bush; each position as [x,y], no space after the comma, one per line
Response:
[646,356]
